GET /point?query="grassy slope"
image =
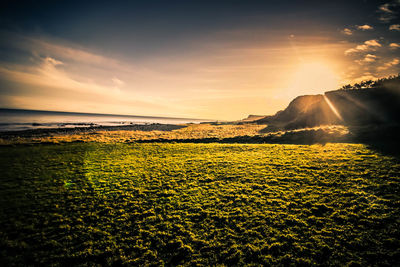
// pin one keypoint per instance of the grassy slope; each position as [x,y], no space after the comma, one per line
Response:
[198,203]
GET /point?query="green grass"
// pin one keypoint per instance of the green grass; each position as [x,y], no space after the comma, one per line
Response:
[207,204]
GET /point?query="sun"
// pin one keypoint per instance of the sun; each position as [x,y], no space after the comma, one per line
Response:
[313,77]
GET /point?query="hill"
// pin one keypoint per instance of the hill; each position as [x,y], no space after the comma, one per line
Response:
[252,118]
[368,103]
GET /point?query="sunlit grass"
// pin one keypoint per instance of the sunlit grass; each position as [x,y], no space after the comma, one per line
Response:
[193,131]
[203,204]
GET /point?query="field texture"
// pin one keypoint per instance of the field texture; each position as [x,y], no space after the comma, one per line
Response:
[136,133]
[205,204]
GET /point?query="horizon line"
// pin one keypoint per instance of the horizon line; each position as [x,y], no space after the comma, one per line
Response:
[104,114]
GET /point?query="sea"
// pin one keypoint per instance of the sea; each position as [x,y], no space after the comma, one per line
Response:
[22,119]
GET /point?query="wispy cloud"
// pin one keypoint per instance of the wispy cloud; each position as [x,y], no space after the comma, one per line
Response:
[370,45]
[53,61]
[347,31]
[60,75]
[394,46]
[369,58]
[117,81]
[350,51]
[219,68]
[389,64]
[41,46]
[50,75]
[385,8]
[388,11]
[394,27]
[364,27]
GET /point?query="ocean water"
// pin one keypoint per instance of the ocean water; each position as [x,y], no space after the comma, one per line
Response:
[19,119]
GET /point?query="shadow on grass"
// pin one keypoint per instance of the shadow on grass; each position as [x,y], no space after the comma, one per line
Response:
[381,138]
[305,136]
[42,187]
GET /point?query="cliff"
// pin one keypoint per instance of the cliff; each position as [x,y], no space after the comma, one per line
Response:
[379,105]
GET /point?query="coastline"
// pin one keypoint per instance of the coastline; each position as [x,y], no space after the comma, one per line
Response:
[380,138]
[90,129]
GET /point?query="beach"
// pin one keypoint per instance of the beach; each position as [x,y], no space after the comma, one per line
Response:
[18,120]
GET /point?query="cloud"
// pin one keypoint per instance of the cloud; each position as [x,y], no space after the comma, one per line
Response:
[389,64]
[350,51]
[347,31]
[48,75]
[364,77]
[369,58]
[370,45]
[364,27]
[67,52]
[64,51]
[394,62]
[394,27]
[385,8]
[363,47]
[388,11]
[394,46]
[53,61]
[117,81]
[232,68]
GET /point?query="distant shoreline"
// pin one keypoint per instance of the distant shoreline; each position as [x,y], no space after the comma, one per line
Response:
[18,120]
[97,114]
[38,132]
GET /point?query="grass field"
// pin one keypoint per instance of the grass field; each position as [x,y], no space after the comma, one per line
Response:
[207,204]
[187,131]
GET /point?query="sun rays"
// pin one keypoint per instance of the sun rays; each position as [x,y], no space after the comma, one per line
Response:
[333,108]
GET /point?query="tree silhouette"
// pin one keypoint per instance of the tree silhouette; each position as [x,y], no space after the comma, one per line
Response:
[371,84]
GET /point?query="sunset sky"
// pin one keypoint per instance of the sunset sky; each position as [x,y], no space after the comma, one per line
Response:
[201,59]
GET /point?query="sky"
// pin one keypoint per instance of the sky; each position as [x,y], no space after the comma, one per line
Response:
[219,60]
